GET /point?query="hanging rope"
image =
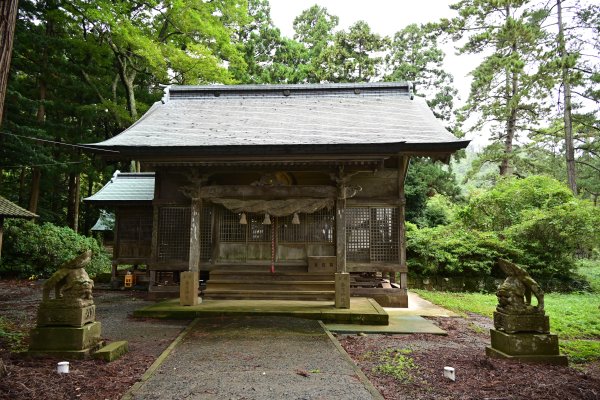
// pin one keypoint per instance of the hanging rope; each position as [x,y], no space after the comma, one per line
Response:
[273,245]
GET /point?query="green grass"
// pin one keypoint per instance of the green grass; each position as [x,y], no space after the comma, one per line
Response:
[575,317]
[396,363]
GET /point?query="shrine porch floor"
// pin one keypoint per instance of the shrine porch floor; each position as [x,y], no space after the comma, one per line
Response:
[362,310]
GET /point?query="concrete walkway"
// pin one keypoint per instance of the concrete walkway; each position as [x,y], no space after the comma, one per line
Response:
[259,357]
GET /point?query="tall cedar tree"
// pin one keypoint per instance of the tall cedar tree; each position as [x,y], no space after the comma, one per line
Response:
[507,91]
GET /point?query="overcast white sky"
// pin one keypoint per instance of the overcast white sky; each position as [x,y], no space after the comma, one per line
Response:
[385,17]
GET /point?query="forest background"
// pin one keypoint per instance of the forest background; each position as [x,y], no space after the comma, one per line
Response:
[82,71]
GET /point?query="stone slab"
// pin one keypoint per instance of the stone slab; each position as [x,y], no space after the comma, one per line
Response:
[112,351]
[524,343]
[538,359]
[51,315]
[63,338]
[398,325]
[385,297]
[521,323]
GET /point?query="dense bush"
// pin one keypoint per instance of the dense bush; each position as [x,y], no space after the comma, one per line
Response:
[534,221]
[38,250]
[503,205]
[439,210]
[453,250]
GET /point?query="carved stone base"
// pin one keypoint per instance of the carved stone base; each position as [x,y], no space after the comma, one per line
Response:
[529,347]
[52,315]
[513,323]
[65,340]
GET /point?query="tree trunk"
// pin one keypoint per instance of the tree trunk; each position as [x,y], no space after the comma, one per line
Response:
[8,17]
[35,189]
[569,147]
[73,205]
[22,186]
[506,168]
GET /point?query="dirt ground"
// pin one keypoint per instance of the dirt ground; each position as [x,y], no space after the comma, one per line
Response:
[88,379]
[477,376]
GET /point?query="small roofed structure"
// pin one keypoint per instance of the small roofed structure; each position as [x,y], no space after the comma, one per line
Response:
[130,195]
[278,191]
[8,209]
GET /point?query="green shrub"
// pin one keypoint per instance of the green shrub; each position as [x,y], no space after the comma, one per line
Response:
[452,250]
[439,210]
[504,205]
[38,250]
[549,238]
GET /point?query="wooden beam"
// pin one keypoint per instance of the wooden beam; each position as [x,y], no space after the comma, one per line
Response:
[340,234]
[374,267]
[267,192]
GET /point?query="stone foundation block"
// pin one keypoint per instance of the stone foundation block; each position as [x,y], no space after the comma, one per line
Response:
[342,290]
[385,297]
[64,339]
[112,351]
[51,315]
[188,288]
[524,343]
[538,359]
[521,323]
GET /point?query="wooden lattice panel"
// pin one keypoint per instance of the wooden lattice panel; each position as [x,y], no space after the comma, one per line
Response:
[371,234]
[173,233]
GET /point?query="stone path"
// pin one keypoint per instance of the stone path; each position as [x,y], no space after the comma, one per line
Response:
[256,358]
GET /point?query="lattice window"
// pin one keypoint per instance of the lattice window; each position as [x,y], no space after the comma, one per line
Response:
[135,225]
[371,234]
[257,232]
[174,233]
[317,227]
[206,233]
[230,229]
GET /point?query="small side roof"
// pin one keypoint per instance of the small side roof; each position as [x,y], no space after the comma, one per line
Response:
[126,187]
[8,209]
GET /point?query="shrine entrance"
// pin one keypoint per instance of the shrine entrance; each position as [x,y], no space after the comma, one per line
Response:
[259,238]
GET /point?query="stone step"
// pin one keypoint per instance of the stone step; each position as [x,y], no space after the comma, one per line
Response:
[214,294]
[268,276]
[268,285]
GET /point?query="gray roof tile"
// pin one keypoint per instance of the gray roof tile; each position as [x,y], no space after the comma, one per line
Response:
[249,115]
[126,187]
[9,209]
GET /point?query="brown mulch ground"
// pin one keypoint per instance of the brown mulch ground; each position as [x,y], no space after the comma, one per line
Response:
[477,376]
[88,379]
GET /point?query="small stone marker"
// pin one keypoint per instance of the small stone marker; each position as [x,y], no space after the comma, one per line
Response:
[188,288]
[522,331]
[112,351]
[342,290]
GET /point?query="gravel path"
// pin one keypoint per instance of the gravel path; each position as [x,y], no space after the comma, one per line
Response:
[255,358]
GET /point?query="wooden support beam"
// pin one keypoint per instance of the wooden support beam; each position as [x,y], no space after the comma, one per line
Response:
[195,224]
[403,162]
[1,233]
[266,192]
[340,233]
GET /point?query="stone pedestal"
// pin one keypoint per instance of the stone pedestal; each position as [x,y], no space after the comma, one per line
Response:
[528,347]
[188,288]
[512,323]
[51,314]
[65,341]
[342,290]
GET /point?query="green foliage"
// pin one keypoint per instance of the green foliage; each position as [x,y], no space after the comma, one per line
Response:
[10,337]
[503,205]
[38,250]
[581,351]
[439,210]
[452,250]
[396,363]
[424,179]
[414,56]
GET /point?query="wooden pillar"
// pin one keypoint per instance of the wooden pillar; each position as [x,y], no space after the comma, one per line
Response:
[188,283]
[1,233]
[342,278]
[403,162]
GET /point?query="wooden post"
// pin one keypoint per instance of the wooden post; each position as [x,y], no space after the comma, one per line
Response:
[1,233]
[403,162]
[342,278]
[188,283]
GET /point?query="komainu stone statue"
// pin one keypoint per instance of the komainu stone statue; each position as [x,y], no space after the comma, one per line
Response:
[522,330]
[514,294]
[66,323]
